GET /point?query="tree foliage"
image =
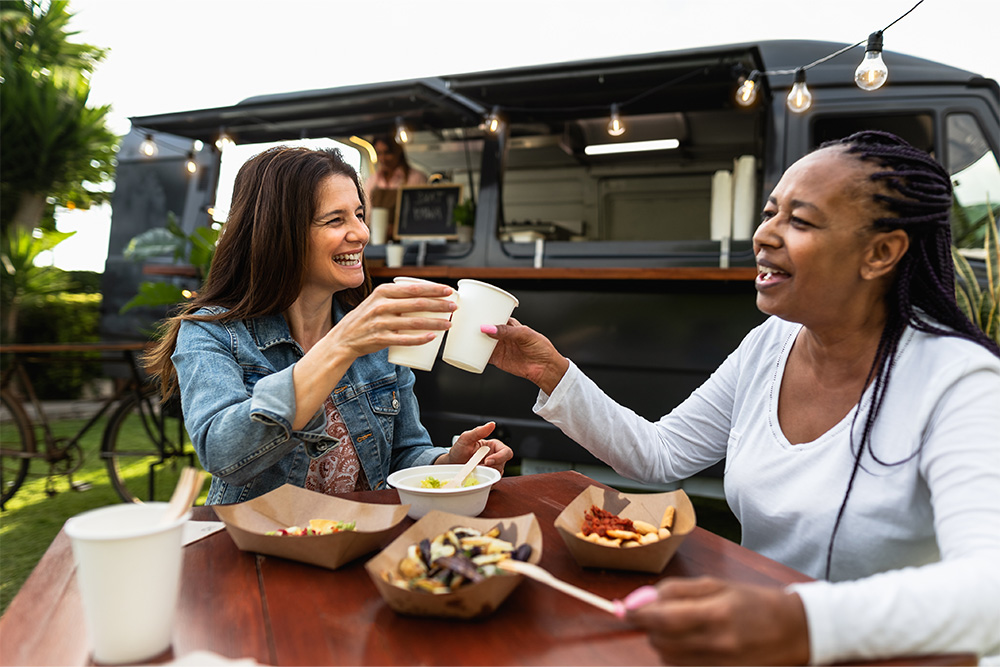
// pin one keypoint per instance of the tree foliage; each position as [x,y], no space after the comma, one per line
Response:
[57,150]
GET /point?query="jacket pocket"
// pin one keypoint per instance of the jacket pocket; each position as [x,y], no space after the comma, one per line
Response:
[384,400]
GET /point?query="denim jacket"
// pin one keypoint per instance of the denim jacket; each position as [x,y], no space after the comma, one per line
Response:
[235,380]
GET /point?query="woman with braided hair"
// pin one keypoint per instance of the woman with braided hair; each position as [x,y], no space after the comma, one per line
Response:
[859,425]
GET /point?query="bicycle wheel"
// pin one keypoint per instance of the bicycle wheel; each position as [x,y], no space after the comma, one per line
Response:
[17,443]
[145,447]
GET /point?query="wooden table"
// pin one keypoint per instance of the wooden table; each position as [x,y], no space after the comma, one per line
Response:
[283,612]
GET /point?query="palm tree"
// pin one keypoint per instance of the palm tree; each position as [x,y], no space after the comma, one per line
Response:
[53,142]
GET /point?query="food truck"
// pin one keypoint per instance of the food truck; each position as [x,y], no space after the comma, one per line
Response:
[637,265]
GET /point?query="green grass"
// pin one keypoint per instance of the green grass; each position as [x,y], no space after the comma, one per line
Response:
[32,518]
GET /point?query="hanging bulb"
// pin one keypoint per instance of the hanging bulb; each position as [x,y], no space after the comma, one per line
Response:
[872,72]
[190,164]
[799,98]
[224,141]
[493,121]
[148,146]
[746,94]
[615,126]
[402,134]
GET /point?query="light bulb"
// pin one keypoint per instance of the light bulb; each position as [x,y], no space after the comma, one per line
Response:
[493,121]
[190,164]
[746,95]
[224,141]
[799,98]
[402,134]
[872,72]
[148,146]
[615,126]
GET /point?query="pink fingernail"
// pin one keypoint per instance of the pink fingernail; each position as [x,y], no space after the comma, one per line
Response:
[488,329]
[619,608]
[640,597]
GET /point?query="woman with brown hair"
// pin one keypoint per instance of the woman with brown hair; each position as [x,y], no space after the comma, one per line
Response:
[281,359]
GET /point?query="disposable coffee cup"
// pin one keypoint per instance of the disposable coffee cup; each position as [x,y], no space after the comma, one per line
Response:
[128,569]
[479,303]
[379,226]
[394,255]
[421,357]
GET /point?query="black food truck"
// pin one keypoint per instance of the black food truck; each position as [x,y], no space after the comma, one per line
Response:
[638,265]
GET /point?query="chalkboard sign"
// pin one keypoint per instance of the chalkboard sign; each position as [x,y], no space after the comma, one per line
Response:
[426,211]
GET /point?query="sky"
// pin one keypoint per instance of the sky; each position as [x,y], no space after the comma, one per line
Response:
[179,55]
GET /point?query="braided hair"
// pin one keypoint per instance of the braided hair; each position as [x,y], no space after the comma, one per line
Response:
[916,190]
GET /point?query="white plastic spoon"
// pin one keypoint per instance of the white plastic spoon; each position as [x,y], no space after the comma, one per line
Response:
[469,466]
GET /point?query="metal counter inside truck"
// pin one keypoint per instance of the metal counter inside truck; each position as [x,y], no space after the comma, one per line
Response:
[638,265]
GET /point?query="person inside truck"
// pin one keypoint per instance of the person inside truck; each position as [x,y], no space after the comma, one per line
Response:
[392,170]
[859,426]
[281,358]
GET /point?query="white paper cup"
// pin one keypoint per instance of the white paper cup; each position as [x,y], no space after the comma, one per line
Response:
[479,303]
[394,255]
[379,225]
[128,568]
[420,357]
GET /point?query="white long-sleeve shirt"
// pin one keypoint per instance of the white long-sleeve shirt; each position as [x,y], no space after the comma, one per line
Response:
[916,562]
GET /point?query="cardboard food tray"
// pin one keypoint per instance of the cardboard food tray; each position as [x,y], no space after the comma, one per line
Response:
[648,507]
[471,600]
[290,505]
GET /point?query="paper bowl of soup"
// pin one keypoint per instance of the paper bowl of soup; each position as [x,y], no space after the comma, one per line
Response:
[420,488]
[445,565]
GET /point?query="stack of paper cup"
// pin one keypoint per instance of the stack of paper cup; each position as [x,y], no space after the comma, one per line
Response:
[380,225]
[479,303]
[128,568]
[420,357]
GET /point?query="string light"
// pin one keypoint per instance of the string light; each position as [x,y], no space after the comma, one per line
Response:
[799,97]
[190,164]
[872,72]
[747,93]
[494,121]
[224,141]
[615,126]
[402,134]
[148,146]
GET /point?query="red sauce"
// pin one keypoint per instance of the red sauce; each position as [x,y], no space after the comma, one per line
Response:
[597,520]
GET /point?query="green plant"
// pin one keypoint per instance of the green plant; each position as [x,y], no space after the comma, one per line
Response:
[56,148]
[24,282]
[196,250]
[981,304]
[464,214]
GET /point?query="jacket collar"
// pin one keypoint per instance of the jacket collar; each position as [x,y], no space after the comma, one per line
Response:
[271,330]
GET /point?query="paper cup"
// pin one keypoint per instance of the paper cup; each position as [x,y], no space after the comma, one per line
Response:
[420,357]
[479,303]
[379,225]
[394,255]
[128,569]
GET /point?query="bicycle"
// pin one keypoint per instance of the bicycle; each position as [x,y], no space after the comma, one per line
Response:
[143,441]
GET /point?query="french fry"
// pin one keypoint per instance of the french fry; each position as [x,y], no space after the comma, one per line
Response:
[649,538]
[668,518]
[663,533]
[642,527]
[622,535]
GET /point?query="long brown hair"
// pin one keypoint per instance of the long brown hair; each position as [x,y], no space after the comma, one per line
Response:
[259,264]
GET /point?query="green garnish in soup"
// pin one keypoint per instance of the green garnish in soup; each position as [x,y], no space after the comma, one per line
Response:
[434,483]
